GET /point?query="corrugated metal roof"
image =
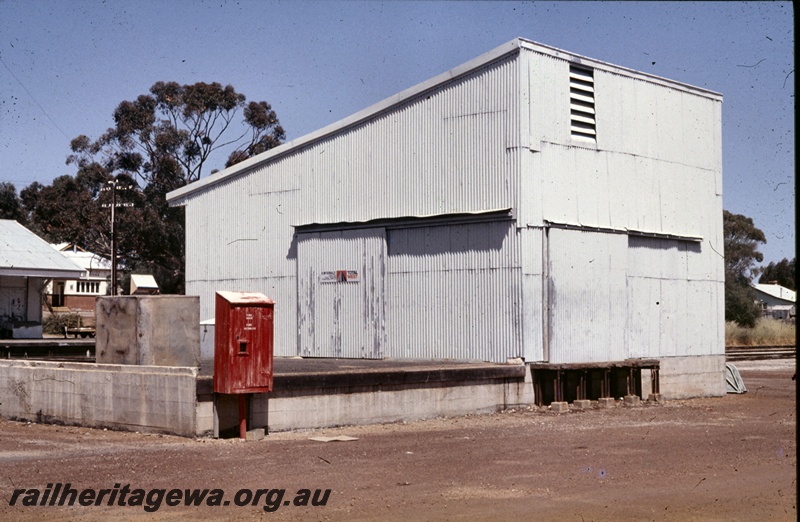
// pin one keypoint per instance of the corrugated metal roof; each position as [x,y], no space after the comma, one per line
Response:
[777,291]
[177,197]
[23,253]
[86,260]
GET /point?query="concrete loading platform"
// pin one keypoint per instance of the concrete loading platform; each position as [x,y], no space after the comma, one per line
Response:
[319,393]
[308,393]
[153,372]
[316,393]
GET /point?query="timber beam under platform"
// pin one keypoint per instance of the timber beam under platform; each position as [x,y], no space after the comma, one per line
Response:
[569,382]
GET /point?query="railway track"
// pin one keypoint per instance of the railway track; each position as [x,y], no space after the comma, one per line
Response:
[758,353]
[51,347]
[76,349]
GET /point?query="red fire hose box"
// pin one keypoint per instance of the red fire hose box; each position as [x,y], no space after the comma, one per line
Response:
[243,343]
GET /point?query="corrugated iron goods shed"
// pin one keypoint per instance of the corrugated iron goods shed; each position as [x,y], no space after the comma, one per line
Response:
[530,203]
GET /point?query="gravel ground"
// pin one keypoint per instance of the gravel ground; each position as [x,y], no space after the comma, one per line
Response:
[729,458]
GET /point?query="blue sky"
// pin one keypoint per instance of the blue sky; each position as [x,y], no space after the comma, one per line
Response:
[67,64]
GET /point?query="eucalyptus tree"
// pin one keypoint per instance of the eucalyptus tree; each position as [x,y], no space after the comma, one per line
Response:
[741,239]
[160,141]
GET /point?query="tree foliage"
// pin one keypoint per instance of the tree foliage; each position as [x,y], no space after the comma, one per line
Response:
[159,142]
[782,273]
[166,137]
[741,240]
[10,204]
[740,304]
[61,210]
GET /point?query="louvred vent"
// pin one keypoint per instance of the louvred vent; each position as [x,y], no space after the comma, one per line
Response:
[581,103]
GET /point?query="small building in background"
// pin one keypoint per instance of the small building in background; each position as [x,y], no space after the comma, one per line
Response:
[79,294]
[776,301]
[27,263]
[143,284]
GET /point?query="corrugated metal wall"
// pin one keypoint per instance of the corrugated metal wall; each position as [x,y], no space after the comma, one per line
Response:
[655,167]
[455,292]
[646,119]
[670,312]
[446,151]
[239,237]
[606,189]
[587,294]
[533,294]
[614,296]
[348,318]
[451,150]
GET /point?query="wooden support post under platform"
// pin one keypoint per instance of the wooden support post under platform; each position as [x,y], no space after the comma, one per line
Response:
[242,416]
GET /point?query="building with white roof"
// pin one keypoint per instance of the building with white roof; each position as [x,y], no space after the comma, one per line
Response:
[80,293]
[776,301]
[27,263]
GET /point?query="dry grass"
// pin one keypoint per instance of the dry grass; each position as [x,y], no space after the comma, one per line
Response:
[767,332]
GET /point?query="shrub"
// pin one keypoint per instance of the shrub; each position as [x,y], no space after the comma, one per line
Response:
[56,323]
[740,301]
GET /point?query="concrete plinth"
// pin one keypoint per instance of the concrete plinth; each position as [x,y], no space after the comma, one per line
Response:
[256,434]
[582,404]
[559,407]
[606,402]
[631,400]
[694,376]
[655,397]
[148,330]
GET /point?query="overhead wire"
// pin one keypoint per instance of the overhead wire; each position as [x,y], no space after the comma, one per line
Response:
[34,99]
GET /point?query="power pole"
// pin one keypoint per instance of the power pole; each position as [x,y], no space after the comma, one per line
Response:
[113,186]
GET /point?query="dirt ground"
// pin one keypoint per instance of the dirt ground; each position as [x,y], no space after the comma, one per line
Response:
[729,458]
